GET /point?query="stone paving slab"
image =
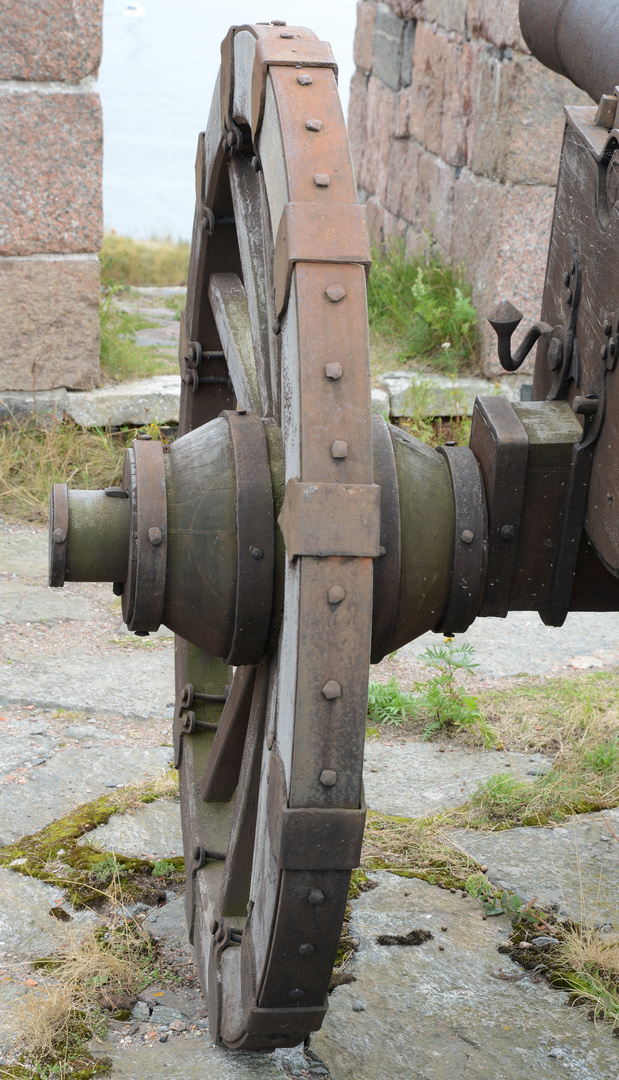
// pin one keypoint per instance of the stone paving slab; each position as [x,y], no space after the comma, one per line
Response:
[521,644]
[413,779]
[71,777]
[193,1057]
[574,865]
[153,831]
[24,552]
[440,1015]
[27,930]
[131,684]
[445,395]
[21,603]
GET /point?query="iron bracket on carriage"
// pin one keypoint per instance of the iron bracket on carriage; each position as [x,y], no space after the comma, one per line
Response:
[289,538]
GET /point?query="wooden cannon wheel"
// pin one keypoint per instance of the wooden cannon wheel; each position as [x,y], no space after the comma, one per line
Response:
[276,322]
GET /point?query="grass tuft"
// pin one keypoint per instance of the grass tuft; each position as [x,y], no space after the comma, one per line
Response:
[423,307]
[144,262]
[119,356]
[34,456]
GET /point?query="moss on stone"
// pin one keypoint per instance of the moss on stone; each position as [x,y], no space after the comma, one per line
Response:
[53,854]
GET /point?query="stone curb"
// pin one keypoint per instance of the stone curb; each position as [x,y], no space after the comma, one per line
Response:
[402,393]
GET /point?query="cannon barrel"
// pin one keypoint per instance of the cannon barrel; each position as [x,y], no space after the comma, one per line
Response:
[567,36]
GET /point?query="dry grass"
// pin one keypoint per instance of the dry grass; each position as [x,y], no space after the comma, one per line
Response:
[414,848]
[53,1024]
[143,262]
[555,715]
[35,456]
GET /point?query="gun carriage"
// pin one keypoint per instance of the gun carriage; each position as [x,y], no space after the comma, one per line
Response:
[288,538]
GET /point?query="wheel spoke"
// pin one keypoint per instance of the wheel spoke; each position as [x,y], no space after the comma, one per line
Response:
[237,874]
[223,768]
[246,188]
[229,304]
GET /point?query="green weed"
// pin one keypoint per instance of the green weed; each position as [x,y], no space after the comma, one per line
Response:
[441,700]
[387,704]
[424,306]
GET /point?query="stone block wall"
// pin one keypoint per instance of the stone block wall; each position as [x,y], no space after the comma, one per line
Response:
[51,216]
[456,133]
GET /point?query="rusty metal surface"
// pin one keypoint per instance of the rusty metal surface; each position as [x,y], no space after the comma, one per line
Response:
[255,539]
[303,839]
[575,38]
[583,308]
[58,531]
[144,591]
[500,444]
[331,519]
[470,540]
[386,588]
[316,232]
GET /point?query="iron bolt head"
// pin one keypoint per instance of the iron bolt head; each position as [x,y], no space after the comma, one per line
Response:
[59,536]
[297,993]
[313,125]
[155,536]
[286,34]
[467,536]
[332,690]
[339,449]
[315,897]
[507,532]
[322,179]
[335,293]
[306,949]
[328,777]
[305,80]
[336,594]
[256,552]
[334,371]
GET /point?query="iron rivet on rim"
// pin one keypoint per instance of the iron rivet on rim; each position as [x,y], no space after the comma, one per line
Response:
[59,536]
[335,293]
[339,449]
[507,532]
[328,777]
[334,371]
[467,536]
[336,594]
[287,34]
[313,125]
[322,179]
[315,897]
[155,536]
[256,552]
[306,949]
[332,690]
[304,80]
